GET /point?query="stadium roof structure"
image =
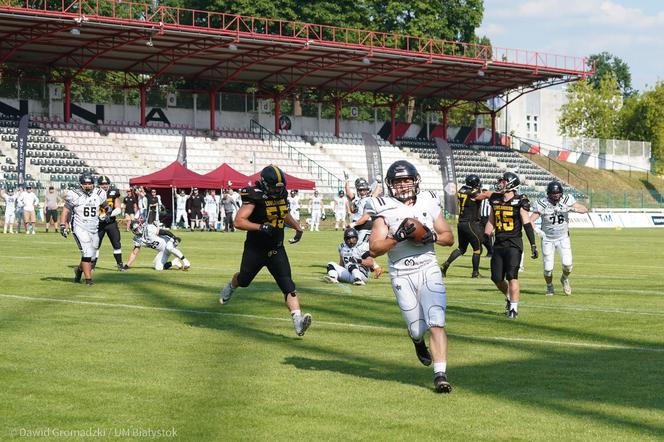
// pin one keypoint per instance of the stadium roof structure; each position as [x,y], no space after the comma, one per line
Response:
[277,55]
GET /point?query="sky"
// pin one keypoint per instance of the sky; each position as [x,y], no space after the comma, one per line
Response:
[631,30]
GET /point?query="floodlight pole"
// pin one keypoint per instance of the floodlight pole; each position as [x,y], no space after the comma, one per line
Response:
[393,126]
[446,118]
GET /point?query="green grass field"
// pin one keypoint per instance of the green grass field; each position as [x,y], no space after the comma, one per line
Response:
[146,351]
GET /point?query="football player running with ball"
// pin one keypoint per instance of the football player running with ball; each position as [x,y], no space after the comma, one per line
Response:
[264,214]
[416,279]
[554,211]
[509,213]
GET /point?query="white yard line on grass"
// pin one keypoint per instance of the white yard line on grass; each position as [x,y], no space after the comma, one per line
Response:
[327,323]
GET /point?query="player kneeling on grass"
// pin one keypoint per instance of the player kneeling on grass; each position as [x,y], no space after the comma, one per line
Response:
[407,226]
[161,240]
[355,262]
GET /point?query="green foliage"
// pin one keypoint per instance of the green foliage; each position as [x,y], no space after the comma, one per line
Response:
[591,112]
[642,118]
[607,64]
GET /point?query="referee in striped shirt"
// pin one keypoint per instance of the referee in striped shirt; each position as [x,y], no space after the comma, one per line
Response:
[485,211]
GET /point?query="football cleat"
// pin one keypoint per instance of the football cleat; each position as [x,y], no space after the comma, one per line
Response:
[301,324]
[185,264]
[226,293]
[89,282]
[358,281]
[475,275]
[508,304]
[78,273]
[513,314]
[567,289]
[422,352]
[444,267]
[331,279]
[440,383]
[121,268]
[176,264]
[549,290]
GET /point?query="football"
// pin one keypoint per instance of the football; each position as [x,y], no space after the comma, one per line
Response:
[419,232]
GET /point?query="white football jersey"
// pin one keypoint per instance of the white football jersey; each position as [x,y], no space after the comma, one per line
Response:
[85,208]
[151,238]
[340,204]
[181,201]
[316,204]
[360,204]
[555,217]
[10,203]
[294,203]
[346,253]
[407,255]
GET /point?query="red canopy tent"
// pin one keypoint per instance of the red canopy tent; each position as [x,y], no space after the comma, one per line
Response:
[225,176]
[174,175]
[292,182]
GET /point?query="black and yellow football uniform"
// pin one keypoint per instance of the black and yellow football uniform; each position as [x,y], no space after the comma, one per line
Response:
[109,226]
[263,250]
[508,244]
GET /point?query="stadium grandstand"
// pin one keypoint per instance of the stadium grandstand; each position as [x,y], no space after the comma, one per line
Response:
[159,44]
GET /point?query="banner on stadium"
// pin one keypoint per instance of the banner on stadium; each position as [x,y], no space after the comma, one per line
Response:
[579,220]
[22,142]
[635,219]
[448,175]
[657,220]
[374,158]
[605,220]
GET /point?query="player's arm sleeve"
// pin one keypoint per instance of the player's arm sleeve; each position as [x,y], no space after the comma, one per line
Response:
[530,233]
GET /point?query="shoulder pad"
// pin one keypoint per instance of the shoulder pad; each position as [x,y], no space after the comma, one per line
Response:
[251,195]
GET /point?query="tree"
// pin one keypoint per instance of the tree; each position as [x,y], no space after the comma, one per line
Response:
[591,112]
[642,118]
[608,64]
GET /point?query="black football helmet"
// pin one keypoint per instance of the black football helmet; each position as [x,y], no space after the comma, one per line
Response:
[293,193]
[509,181]
[273,182]
[103,180]
[351,237]
[342,194]
[397,171]
[136,226]
[362,187]
[554,191]
[87,182]
[473,181]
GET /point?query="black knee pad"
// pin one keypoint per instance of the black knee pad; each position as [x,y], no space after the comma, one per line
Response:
[330,267]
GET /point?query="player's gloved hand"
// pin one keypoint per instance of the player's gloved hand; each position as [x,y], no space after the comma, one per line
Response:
[297,237]
[430,236]
[267,229]
[533,249]
[177,240]
[404,231]
[63,230]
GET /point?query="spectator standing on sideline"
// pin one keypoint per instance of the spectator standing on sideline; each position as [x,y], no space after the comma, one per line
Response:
[228,203]
[196,203]
[142,203]
[154,201]
[51,203]
[130,207]
[181,212]
[30,202]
